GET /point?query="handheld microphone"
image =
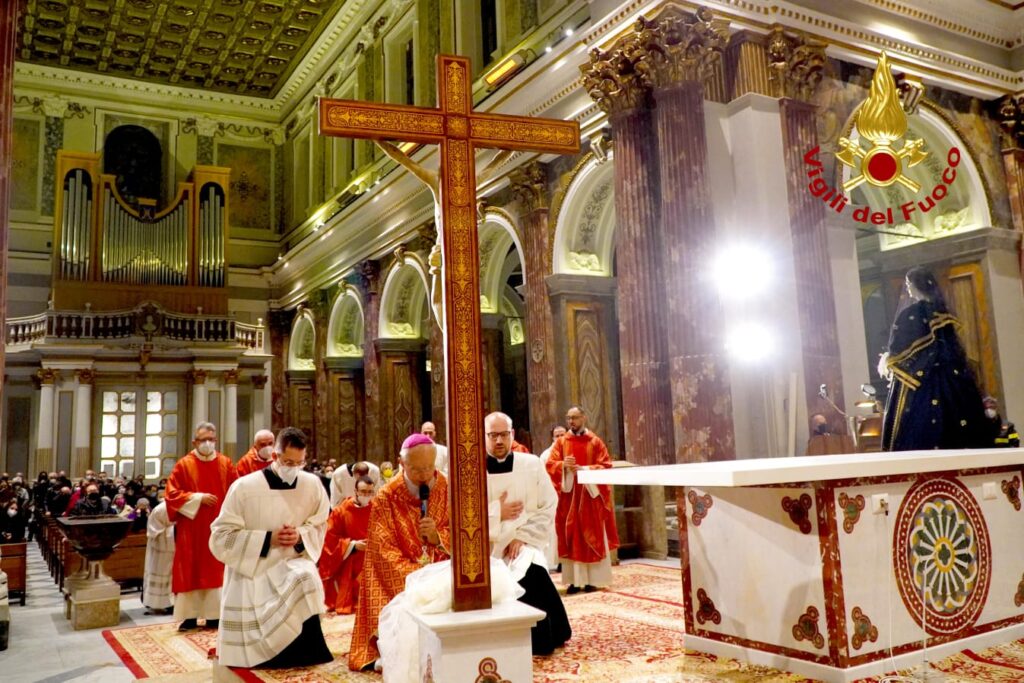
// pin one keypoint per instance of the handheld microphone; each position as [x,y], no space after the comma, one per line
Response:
[424,495]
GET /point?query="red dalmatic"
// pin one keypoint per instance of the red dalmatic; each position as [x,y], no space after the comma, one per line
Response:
[340,568]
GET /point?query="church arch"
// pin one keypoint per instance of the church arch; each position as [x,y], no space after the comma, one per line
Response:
[345,329]
[403,314]
[584,240]
[960,206]
[302,342]
[497,237]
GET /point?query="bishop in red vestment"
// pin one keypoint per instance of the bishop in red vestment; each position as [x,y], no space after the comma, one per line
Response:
[260,455]
[194,494]
[585,518]
[400,541]
[341,560]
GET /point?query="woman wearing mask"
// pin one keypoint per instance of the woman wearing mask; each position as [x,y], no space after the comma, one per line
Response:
[12,523]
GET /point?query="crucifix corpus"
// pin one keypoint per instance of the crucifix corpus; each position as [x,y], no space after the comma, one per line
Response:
[460,132]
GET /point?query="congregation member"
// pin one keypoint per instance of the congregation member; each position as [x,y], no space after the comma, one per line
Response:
[585,518]
[341,562]
[429,429]
[194,495]
[91,504]
[521,516]
[259,454]
[343,481]
[409,529]
[1004,433]
[269,535]
[156,581]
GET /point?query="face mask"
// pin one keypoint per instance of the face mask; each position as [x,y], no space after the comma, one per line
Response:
[387,472]
[287,474]
[266,453]
[990,413]
[94,497]
[363,500]
[11,512]
[121,490]
[205,447]
[53,481]
[821,429]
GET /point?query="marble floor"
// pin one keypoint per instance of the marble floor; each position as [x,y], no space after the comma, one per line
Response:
[43,648]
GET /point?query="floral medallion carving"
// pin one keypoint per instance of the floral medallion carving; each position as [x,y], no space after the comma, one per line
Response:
[806,628]
[706,609]
[863,629]
[1012,490]
[700,504]
[799,511]
[852,507]
[942,553]
[488,669]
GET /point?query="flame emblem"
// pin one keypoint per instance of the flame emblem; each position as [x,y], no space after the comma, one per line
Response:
[882,121]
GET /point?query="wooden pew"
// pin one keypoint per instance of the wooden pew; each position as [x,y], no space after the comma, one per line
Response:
[14,562]
[127,564]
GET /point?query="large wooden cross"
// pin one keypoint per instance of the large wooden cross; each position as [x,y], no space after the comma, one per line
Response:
[459,131]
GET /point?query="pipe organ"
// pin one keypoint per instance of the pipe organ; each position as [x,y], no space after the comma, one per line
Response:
[176,256]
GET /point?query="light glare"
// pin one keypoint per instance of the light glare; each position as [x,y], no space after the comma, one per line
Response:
[750,343]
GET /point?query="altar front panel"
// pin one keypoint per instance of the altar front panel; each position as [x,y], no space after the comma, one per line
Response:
[809,572]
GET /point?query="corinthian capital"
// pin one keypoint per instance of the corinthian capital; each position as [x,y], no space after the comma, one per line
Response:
[676,47]
[796,65]
[611,78]
[529,186]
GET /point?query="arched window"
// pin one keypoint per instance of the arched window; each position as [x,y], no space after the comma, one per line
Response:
[133,154]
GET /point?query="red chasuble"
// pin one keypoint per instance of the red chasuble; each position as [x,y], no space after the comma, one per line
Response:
[340,569]
[393,552]
[581,519]
[195,567]
[250,462]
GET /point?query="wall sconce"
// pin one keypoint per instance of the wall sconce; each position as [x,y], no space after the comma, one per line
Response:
[505,69]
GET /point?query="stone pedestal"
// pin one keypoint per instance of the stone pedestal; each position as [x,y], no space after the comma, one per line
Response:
[94,603]
[487,644]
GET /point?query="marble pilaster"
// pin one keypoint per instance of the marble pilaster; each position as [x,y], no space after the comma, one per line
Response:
[8,40]
[229,445]
[81,456]
[529,185]
[280,324]
[797,68]
[321,443]
[679,54]
[611,80]
[438,404]
[370,286]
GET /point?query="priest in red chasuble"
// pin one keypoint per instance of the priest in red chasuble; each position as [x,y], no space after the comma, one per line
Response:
[194,494]
[341,561]
[585,518]
[260,455]
[409,529]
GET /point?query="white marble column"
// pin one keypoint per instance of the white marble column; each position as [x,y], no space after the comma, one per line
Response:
[200,398]
[229,431]
[82,454]
[259,401]
[45,426]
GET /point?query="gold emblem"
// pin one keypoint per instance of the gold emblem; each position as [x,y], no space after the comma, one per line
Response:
[882,121]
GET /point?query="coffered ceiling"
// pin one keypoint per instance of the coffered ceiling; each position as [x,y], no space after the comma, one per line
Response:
[247,47]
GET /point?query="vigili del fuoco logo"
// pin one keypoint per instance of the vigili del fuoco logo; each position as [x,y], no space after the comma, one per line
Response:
[880,121]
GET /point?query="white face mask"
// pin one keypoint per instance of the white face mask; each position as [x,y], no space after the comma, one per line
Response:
[288,474]
[363,500]
[990,413]
[11,512]
[265,453]
[205,447]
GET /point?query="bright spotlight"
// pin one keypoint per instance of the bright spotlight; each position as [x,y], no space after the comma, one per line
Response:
[742,271]
[750,343]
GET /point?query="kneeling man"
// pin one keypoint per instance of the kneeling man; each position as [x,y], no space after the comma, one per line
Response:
[521,512]
[269,535]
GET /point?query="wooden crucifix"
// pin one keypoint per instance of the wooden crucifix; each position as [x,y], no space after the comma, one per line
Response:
[459,131]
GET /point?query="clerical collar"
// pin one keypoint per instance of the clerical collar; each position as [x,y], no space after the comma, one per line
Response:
[579,433]
[495,466]
[275,482]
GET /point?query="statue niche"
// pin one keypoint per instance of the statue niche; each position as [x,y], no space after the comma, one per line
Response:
[133,155]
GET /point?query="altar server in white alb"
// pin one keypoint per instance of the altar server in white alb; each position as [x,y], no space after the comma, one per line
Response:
[269,535]
[156,581]
[521,506]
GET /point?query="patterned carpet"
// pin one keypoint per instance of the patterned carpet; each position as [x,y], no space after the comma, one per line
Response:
[630,634]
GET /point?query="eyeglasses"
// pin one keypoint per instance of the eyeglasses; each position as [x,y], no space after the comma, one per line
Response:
[301,463]
[498,435]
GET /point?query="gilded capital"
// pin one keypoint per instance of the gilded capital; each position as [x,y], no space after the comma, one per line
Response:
[47,375]
[196,376]
[529,186]
[796,65]
[259,381]
[86,376]
[611,78]
[677,47]
[231,376]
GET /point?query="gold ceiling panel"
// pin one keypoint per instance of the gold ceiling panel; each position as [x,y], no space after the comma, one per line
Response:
[247,47]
